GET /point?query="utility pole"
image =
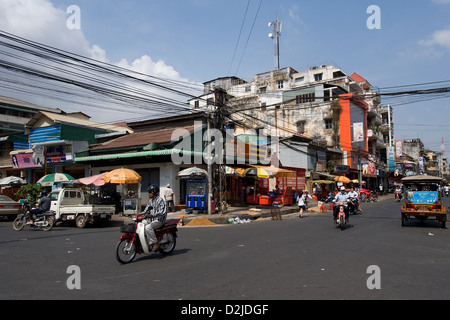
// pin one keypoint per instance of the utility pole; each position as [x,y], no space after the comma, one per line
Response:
[209,163]
[275,35]
[219,117]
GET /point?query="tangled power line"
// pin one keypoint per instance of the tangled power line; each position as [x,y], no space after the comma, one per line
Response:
[37,69]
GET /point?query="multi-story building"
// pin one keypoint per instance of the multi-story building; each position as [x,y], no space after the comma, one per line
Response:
[323,104]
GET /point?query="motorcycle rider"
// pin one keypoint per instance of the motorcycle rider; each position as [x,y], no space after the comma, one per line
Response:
[398,193]
[43,206]
[446,190]
[156,210]
[353,195]
[341,196]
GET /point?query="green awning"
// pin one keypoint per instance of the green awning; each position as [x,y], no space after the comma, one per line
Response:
[126,155]
[167,152]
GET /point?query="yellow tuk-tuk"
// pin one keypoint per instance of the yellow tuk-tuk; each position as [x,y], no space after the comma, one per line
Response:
[422,199]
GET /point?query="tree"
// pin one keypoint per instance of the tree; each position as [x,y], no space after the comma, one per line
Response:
[30,192]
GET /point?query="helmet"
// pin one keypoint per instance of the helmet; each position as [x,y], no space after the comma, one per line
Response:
[44,192]
[342,188]
[153,188]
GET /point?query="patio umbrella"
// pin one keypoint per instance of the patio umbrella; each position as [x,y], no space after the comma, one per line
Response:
[193,171]
[96,180]
[52,178]
[256,173]
[121,176]
[229,171]
[343,179]
[12,180]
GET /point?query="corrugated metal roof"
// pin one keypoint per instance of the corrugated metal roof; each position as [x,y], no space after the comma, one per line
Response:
[137,139]
[65,118]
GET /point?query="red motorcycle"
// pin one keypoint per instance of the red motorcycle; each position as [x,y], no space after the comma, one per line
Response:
[341,207]
[133,239]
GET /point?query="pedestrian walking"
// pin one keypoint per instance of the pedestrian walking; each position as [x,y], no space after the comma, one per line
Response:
[168,197]
[301,202]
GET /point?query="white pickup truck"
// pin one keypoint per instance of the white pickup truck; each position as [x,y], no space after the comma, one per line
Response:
[69,205]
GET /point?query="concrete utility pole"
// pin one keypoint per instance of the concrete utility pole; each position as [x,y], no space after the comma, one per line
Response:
[216,169]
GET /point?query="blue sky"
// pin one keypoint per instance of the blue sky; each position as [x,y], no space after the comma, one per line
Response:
[194,40]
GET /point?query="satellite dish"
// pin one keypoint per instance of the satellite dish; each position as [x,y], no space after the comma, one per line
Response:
[270,24]
[270,35]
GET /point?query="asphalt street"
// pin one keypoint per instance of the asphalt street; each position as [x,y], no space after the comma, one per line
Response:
[290,259]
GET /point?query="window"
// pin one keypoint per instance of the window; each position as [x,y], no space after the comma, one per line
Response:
[301,126]
[318,77]
[196,104]
[248,88]
[280,84]
[262,89]
[263,106]
[303,98]
[299,80]
[328,124]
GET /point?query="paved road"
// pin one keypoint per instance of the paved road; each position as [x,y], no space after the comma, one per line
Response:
[290,259]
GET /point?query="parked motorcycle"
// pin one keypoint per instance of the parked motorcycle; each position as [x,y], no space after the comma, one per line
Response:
[45,221]
[133,240]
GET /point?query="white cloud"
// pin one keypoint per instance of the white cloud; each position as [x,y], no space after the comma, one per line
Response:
[441,1]
[146,65]
[440,38]
[293,13]
[42,22]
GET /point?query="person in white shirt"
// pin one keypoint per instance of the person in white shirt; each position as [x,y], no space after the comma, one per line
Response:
[353,194]
[168,197]
[342,196]
[301,202]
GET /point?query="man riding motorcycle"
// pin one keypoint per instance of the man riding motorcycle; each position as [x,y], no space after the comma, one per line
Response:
[342,196]
[43,206]
[398,193]
[353,195]
[156,209]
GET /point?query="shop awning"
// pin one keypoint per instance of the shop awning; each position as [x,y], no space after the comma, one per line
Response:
[127,155]
[278,172]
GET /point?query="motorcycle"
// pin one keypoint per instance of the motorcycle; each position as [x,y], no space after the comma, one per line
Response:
[352,206]
[373,196]
[341,221]
[133,239]
[45,221]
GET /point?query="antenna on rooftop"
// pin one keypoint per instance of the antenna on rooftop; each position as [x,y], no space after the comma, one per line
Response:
[275,35]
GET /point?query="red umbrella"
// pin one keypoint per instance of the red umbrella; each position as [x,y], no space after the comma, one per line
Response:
[96,180]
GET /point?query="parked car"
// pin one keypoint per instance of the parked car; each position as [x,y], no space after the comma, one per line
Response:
[9,207]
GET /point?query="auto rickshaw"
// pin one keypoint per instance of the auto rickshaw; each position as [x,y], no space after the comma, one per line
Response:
[422,199]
